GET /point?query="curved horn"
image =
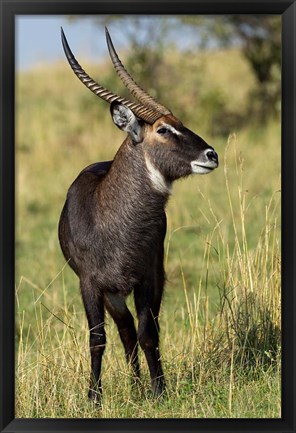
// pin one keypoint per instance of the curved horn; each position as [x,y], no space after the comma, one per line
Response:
[129,82]
[144,113]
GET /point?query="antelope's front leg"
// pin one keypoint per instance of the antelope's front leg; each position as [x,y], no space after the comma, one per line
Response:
[148,334]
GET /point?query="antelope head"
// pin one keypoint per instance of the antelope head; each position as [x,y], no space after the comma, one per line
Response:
[170,149]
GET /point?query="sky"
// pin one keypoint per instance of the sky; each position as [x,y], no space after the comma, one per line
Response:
[38,40]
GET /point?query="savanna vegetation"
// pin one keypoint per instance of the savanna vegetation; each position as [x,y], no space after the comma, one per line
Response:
[220,318]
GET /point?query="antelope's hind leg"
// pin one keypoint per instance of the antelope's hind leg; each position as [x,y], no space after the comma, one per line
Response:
[94,308]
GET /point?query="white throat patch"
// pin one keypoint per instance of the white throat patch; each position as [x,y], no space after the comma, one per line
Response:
[158,181]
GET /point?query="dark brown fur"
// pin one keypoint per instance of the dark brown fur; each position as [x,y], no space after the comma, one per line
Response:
[112,231]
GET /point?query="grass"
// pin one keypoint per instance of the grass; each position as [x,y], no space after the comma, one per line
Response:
[220,317]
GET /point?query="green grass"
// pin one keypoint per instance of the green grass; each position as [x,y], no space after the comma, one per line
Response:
[220,317]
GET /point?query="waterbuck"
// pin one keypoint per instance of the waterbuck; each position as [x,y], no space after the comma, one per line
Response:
[113,224]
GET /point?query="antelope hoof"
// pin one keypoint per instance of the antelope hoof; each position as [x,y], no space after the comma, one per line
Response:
[158,388]
[95,397]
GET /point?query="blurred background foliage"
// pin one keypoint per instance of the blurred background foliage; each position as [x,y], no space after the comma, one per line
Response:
[203,68]
[254,41]
[221,76]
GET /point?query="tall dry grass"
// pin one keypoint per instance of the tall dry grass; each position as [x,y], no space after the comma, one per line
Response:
[220,317]
[212,354]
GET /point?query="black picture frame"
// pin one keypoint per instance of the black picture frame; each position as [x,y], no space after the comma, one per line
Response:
[9,9]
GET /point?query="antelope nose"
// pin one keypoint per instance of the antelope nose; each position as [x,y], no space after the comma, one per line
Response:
[212,156]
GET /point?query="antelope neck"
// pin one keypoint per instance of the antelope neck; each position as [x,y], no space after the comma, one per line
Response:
[133,182]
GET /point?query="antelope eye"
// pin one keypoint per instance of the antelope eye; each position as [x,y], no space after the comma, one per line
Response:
[162,130]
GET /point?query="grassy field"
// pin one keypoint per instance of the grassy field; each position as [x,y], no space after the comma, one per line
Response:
[220,317]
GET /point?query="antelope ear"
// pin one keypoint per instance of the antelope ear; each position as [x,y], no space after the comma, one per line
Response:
[125,119]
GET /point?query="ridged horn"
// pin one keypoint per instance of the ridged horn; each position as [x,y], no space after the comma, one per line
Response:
[145,113]
[130,83]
